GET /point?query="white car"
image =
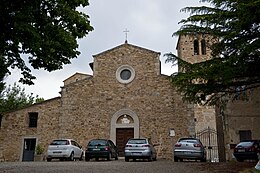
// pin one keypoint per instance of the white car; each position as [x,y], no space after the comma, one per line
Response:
[62,149]
[140,148]
[189,148]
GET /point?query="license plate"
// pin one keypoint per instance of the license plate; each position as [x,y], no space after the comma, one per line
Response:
[96,149]
[186,152]
[137,154]
[241,150]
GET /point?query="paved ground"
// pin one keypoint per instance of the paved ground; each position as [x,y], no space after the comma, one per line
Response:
[120,166]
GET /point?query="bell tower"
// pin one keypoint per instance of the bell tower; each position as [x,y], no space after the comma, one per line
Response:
[194,48]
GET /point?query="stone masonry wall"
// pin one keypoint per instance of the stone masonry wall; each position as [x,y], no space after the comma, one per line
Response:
[204,115]
[185,48]
[76,77]
[15,127]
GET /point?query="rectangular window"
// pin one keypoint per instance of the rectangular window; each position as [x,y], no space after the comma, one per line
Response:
[240,93]
[33,118]
[245,135]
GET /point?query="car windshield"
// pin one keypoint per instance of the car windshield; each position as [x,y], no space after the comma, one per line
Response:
[60,142]
[137,141]
[245,144]
[97,142]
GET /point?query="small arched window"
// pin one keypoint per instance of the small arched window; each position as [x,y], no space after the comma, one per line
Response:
[196,47]
[203,47]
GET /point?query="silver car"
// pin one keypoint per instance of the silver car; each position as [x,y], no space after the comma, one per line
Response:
[189,148]
[62,149]
[140,148]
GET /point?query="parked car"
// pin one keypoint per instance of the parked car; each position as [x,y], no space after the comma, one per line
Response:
[140,148]
[189,148]
[101,148]
[62,149]
[247,150]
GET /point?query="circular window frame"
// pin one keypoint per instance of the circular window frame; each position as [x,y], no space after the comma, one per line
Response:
[125,67]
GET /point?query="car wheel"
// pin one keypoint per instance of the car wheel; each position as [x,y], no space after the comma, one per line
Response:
[155,158]
[87,159]
[71,158]
[203,160]
[81,157]
[126,159]
[240,160]
[109,156]
[48,159]
[116,158]
[150,158]
[175,159]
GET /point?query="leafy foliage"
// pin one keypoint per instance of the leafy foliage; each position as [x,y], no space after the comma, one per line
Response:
[235,58]
[45,31]
[14,97]
[39,149]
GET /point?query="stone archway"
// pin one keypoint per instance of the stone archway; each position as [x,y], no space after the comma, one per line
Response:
[124,118]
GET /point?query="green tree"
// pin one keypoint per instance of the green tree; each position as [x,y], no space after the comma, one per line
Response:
[46,32]
[14,97]
[235,58]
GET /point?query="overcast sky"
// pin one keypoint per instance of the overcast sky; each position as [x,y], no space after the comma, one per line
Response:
[150,24]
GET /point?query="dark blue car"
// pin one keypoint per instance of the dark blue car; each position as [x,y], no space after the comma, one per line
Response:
[101,148]
[247,150]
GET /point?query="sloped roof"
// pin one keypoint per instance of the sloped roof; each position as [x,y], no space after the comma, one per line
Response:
[126,44]
[76,77]
[76,74]
[39,103]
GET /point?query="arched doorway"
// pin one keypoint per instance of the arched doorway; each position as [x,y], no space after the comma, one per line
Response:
[124,125]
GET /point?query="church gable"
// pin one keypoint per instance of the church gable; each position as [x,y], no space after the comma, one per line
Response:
[141,60]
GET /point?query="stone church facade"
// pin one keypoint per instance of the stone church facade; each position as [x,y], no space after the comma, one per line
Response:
[127,96]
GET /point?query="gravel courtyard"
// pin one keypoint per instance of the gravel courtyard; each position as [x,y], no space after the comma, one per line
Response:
[160,166]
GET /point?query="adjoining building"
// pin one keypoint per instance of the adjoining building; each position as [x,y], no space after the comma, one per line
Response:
[238,120]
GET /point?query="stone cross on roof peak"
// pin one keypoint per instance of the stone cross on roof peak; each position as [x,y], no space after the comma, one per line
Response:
[126,31]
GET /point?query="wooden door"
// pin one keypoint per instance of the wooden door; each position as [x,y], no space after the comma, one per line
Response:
[122,136]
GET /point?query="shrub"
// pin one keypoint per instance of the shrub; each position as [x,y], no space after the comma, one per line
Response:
[39,149]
